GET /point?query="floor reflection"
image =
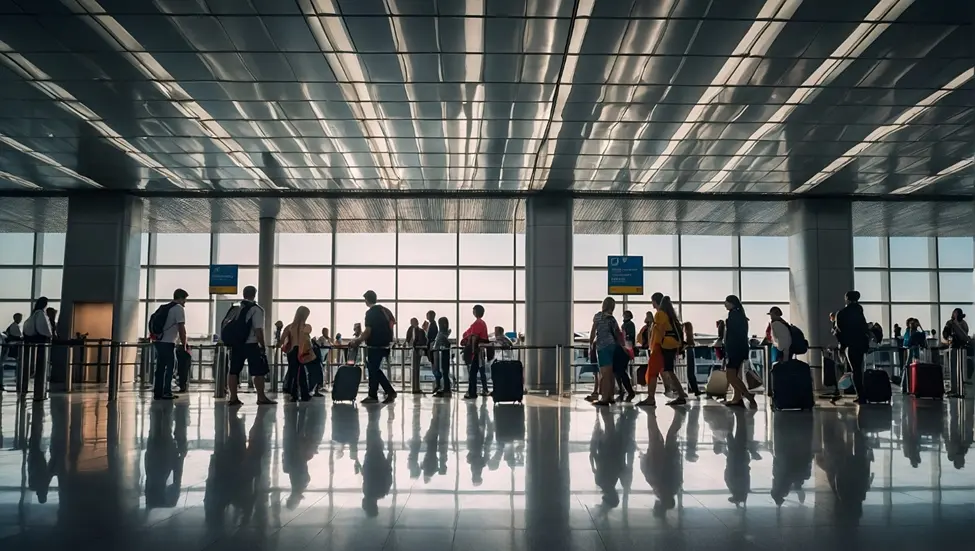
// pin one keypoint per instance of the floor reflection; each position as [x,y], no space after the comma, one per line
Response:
[450,474]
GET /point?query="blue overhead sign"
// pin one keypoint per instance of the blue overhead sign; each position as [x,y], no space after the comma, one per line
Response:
[625,275]
[223,279]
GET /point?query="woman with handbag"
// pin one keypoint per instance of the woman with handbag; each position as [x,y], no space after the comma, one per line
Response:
[666,339]
[296,344]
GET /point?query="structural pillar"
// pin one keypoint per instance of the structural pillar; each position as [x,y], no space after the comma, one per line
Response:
[100,282]
[265,274]
[820,269]
[548,290]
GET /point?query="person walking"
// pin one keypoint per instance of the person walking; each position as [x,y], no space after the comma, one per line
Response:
[605,337]
[167,326]
[253,350]
[377,336]
[736,349]
[853,333]
[665,342]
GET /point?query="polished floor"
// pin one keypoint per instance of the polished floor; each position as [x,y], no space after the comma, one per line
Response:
[432,474]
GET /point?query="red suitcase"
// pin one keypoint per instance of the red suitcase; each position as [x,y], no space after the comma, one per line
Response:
[926,381]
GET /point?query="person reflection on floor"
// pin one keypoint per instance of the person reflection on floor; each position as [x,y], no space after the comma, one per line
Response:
[737,472]
[793,455]
[626,429]
[606,458]
[845,459]
[693,428]
[661,463]
[40,471]
[256,467]
[958,437]
[435,458]
[416,443]
[377,466]
[294,459]
[480,437]
[162,454]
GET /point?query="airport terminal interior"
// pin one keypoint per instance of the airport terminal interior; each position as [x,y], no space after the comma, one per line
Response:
[529,157]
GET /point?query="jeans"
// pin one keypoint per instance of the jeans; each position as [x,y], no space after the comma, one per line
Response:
[854,361]
[441,368]
[692,386]
[374,365]
[472,370]
[162,381]
[296,379]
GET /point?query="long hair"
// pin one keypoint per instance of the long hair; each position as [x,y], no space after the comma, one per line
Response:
[688,333]
[668,307]
[40,304]
[736,304]
[609,304]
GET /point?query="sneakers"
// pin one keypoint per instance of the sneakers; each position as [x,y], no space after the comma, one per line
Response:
[390,398]
[369,400]
[677,402]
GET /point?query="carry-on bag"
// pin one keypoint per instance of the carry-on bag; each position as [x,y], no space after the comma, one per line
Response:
[345,387]
[876,387]
[508,379]
[717,385]
[792,385]
[925,381]
[509,423]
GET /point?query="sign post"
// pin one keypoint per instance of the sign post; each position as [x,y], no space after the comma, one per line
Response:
[223,279]
[625,275]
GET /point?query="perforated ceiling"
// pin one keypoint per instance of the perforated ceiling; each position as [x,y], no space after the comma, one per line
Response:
[746,96]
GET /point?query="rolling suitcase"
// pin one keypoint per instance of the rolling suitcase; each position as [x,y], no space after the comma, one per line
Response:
[792,385]
[509,423]
[925,381]
[876,386]
[183,363]
[345,387]
[717,385]
[508,380]
[345,424]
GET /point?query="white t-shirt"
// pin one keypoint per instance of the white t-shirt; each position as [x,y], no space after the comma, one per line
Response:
[38,324]
[174,317]
[14,331]
[255,317]
[781,336]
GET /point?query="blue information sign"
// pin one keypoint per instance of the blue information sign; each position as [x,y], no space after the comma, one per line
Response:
[223,279]
[625,275]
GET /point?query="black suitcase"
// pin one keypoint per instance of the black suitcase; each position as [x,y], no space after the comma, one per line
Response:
[874,420]
[926,381]
[829,372]
[345,387]
[345,424]
[792,385]
[508,379]
[509,423]
[876,386]
[183,363]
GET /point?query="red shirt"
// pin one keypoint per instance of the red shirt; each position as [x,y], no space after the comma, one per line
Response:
[478,328]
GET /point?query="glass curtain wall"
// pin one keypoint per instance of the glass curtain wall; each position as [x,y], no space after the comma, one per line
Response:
[898,277]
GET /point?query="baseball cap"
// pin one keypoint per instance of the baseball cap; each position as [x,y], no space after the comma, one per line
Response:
[775,310]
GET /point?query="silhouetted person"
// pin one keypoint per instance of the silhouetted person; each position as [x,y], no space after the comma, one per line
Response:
[661,464]
[377,467]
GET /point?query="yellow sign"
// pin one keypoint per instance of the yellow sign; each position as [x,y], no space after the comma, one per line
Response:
[625,290]
[224,290]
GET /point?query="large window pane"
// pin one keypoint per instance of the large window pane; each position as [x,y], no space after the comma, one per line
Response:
[658,281]
[319,314]
[520,319]
[955,252]
[17,249]
[705,316]
[582,314]
[487,249]
[352,283]
[195,281]
[427,249]
[237,248]
[418,310]
[311,249]
[519,249]
[760,251]
[868,252]
[366,249]
[347,314]
[431,284]
[707,250]
[478,285]
[52,249]
[590,285]
[656,250]
[49,283]
[706,286]
[593,250]
[16,283]
[956,287]
[303,283]
[911,252]
[8,309]
[772,287]
[181,249]
[144,250]
[875,313]
[197,318]
[870,284]
[494,315]
[520,284]
[912,286]
[925,313]
[245,277]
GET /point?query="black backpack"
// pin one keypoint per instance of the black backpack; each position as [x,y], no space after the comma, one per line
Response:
[157,321]
[800,345]
[235,327]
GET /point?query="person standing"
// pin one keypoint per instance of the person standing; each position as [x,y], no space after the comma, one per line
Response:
[854,336]
[296,343]
[473,339]
[780,335]
[377,335]
[440,350]
[168,327]
[12,335]
[736,349]
[605,338]
[253,350]
[688,352]
[416,343]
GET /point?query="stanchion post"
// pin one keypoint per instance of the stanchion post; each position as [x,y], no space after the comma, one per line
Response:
[23,367]
[767,368]
[42,359]
[220,372]
[69,369]
[559,377]
[275,368]
[957,375]
[113,371]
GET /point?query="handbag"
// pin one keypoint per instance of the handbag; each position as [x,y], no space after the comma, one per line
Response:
[306,353]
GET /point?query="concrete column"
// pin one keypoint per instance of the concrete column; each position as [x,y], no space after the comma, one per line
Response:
[103,248]
[265,274]
[820,268]
[548,288]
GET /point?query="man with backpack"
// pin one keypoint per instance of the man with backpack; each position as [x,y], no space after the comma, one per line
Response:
[167,326]
[787,339]
[243,331]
